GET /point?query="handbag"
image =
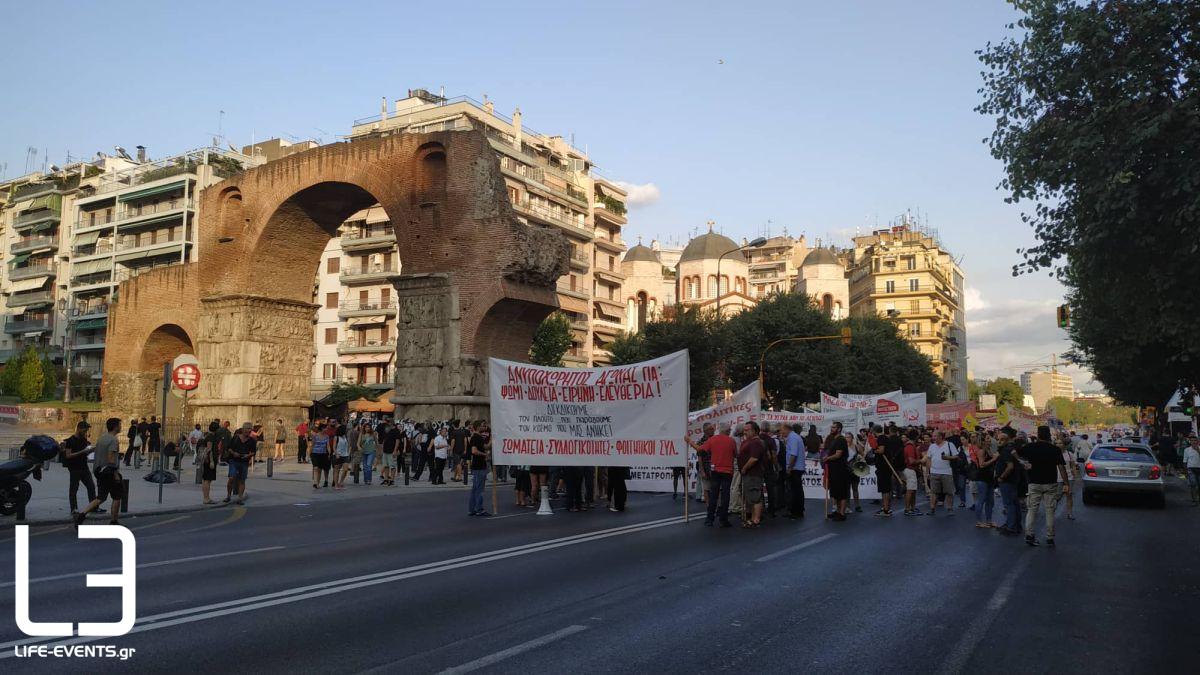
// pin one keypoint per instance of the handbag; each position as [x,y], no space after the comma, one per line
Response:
[137,442]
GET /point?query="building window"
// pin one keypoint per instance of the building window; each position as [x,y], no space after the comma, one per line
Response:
[889,286]
[385,295]
[827,304]
[642,304]
[914,285]
[914,330]
[611,262]
[514,196]
[911,262]
[573,282]
[914,306]
[329,371]
[331,300]
[331,336]
[333,265]
[712,286]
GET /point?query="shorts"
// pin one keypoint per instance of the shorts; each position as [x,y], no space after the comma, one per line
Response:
[320,460]
[910,479]
[389,460]
[752,489]
[109,484]
[339,460]
[539,470]
[208,473]
[238,469]
[884,480]
[941,484]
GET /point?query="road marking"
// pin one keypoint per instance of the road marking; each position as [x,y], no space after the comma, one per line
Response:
[239,512]
[512,515]
[797,547]
[957,659]
[161,522]
[39,533]
[312,591]
[496,657]
[159,563]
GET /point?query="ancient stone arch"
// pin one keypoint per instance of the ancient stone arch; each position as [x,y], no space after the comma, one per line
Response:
[476,280]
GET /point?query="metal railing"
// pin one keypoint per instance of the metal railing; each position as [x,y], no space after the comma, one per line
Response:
[529,207]
[368,305]
[143,210]
[35,216]
[379,233]
[26,325]
[32,243]
[368,270]
[91,279]
[129,246]
[89,311]
[30,272]
[101,220]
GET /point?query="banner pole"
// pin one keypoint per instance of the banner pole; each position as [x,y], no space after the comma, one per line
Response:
[686,496]
[495,497]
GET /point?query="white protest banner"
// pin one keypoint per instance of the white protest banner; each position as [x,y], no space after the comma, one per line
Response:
[822,421]
[893,407]
[734,411]
[633,415]
[814,488]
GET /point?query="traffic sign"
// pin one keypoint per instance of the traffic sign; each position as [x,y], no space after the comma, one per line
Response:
[186,376]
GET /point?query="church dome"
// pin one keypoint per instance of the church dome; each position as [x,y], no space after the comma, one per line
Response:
[820,256]
[708,246]
[641,253]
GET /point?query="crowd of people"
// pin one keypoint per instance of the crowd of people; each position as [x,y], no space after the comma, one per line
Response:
[760,470]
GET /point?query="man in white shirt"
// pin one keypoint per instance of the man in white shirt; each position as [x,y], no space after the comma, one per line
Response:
[941,476]
[1081,446]
[1191,460]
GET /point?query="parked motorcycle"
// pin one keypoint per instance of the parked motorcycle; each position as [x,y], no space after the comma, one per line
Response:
[15,490]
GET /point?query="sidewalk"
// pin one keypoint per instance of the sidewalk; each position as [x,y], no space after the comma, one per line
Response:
[290,484]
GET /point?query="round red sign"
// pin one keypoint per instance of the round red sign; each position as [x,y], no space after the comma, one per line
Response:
[186,377]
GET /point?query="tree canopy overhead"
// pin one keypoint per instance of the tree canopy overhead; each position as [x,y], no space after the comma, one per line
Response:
[1097,113]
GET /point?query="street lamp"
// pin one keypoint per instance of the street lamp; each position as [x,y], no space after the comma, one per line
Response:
[754,244]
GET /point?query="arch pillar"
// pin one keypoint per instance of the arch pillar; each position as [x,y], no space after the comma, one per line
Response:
[257,356]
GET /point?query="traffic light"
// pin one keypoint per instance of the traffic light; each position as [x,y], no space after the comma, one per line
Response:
[846,336]
[1064,316]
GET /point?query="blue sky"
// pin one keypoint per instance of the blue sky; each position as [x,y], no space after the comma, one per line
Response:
[821,117]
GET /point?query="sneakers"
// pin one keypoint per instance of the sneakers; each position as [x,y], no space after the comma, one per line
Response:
[1031,540]
[887,514]
[858,509]
[1049,543]
[880,512]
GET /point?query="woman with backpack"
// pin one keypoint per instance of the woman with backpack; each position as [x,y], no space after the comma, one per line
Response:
[982,471]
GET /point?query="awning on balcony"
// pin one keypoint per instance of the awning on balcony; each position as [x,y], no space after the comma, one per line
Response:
[365,320]
[90,267]
[168,248]
[46,202]
[90,324]
[149,192]
[41,227]
[27,284]
[573,304]
[18,259]
[87,238]
[362,359]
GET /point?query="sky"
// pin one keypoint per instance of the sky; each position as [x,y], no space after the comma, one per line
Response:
[824,118]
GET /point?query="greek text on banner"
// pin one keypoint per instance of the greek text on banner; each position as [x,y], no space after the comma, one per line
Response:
[632,415]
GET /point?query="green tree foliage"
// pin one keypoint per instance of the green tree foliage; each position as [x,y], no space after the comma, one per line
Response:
[1006,390]
[1095,109]
[973,391]
[10,379]
[691,329]
[50,377]
[551,341]
[1061,407]
[33,379]
[1090,413]
[344,392]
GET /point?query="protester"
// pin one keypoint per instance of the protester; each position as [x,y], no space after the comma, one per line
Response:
[616,480]
[1045,462]
[941,476]
[913,464]
[837,471]
[321,460]
[721,449]
[794,445]
[75,450]
[368,446]
[522,486]
[341,457]
[441,452]
[479,448]
[109,482]
[983,459]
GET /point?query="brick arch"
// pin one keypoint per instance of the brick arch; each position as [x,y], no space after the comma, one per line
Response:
[471,272]
[162,345]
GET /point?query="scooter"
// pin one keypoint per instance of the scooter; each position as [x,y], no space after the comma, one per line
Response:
[15,490]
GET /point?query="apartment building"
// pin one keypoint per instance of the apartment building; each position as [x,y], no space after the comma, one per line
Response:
[137,215]
[1043,385]
[775,266]
[906,274]
[549,182]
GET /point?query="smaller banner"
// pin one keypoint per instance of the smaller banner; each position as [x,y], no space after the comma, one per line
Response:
[633,415]
[952,416]
[894,407]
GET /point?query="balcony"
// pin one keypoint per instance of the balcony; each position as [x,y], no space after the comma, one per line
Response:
[579,260]
[102,222]
[93,311]
[31,299]
[610,244]
[27,326]
[610,209]
[358,241]
[32,244]
[352,308]
[774,275]
[81,253]
[88,344]
[553,217]
[91,282]
[610,302]
[572,292]
[612,276]
[31,272]
[133,252]
[40,216]
[148,214]
[34,191]
[606,327]
[366,346]
[368,274]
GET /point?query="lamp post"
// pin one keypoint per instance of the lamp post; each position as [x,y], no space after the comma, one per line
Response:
[754,244]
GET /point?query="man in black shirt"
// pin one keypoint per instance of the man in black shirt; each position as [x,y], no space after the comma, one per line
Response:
[74,457]
[154,432]
[388,438]
[1045,466]
[238,454]
[479,468]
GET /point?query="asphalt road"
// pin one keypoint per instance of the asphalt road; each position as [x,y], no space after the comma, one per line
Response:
[412,585]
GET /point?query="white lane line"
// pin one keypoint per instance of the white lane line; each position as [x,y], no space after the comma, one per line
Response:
[797,547]
[159,563]
[956,660]
[220,609]
[496,657]
[512,515]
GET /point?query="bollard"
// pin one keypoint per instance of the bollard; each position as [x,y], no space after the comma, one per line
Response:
[405,470]
[355,468]
[544,509]
[270,467]
[125,502]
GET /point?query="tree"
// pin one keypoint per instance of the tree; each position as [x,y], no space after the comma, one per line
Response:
[1063,408]
[689,328]
[50,377]
[1095,108]
[10,379]
[32,378]
[344,392]
[1006,390]
[551,341]
[973,391]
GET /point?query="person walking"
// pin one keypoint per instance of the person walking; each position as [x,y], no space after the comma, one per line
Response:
[368,447]
[795,468]
[837,471]
[941,475]
[478,446]
[134,442]
[616,481]
[280,439]
[1045,463]
[209,453]
[441,454]
[983,460]
[721,451]
[75,450]
[421,442]
[108,476]
[1007,480]
[238,456]
[1072,477]
[1191,463]
[341,457]
[321,460]
[387,458]
[154,438]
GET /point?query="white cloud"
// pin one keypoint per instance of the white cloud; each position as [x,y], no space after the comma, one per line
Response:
[973,299]
[639,195]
